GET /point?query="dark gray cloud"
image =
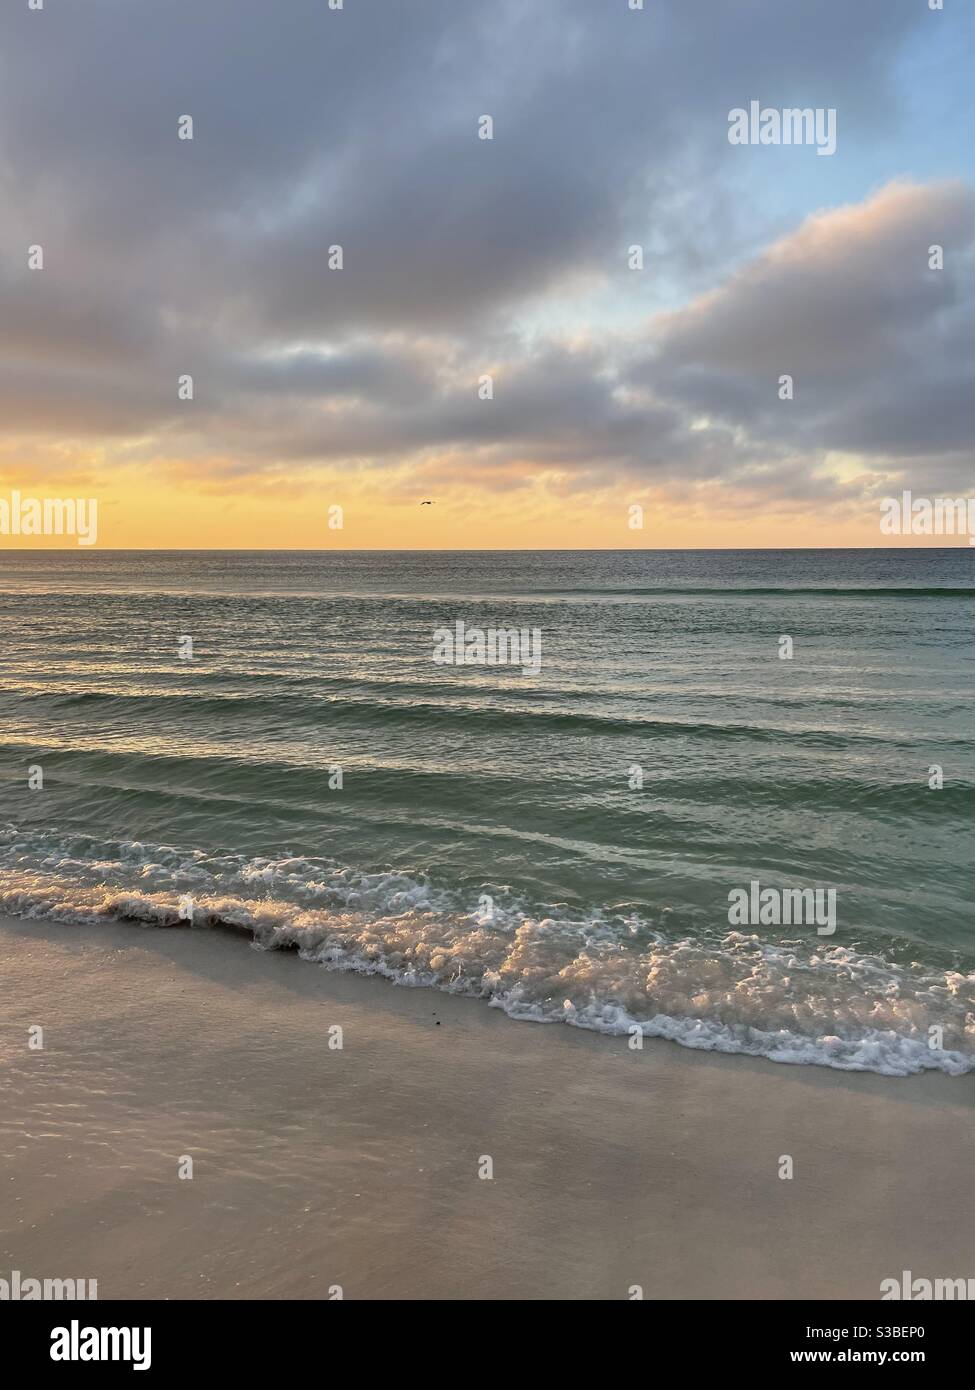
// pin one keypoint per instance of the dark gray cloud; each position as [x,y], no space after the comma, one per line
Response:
[358,127]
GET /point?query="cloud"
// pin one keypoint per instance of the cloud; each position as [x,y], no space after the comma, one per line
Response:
[879,344]
[358,127]
[856,280]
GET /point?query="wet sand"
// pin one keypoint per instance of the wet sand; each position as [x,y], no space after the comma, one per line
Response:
[316,1167]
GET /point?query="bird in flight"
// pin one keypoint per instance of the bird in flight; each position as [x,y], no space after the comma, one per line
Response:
[426,504]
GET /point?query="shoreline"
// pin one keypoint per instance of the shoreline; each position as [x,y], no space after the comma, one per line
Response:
[316,1167]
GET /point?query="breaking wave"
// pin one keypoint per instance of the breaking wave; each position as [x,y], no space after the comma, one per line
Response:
[796,1000]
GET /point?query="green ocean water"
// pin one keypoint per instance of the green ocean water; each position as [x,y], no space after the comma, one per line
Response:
[560,845]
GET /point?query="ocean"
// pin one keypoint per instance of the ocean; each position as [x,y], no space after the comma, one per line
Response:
[565,845]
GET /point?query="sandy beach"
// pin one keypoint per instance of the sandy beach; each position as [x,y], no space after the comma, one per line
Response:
[315,1167]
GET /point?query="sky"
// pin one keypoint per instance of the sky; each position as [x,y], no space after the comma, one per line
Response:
[486,344]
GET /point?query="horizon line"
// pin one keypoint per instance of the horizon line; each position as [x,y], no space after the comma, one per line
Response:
[450,550]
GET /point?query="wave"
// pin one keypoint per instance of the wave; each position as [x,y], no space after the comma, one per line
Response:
[212,773]
[436,714]
[761,591]
[610,971]
[78,592]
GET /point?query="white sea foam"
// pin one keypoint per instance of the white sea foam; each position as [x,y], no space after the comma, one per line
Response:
[796,1001]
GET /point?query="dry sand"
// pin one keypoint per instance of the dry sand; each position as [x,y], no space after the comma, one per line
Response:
[315,1167]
